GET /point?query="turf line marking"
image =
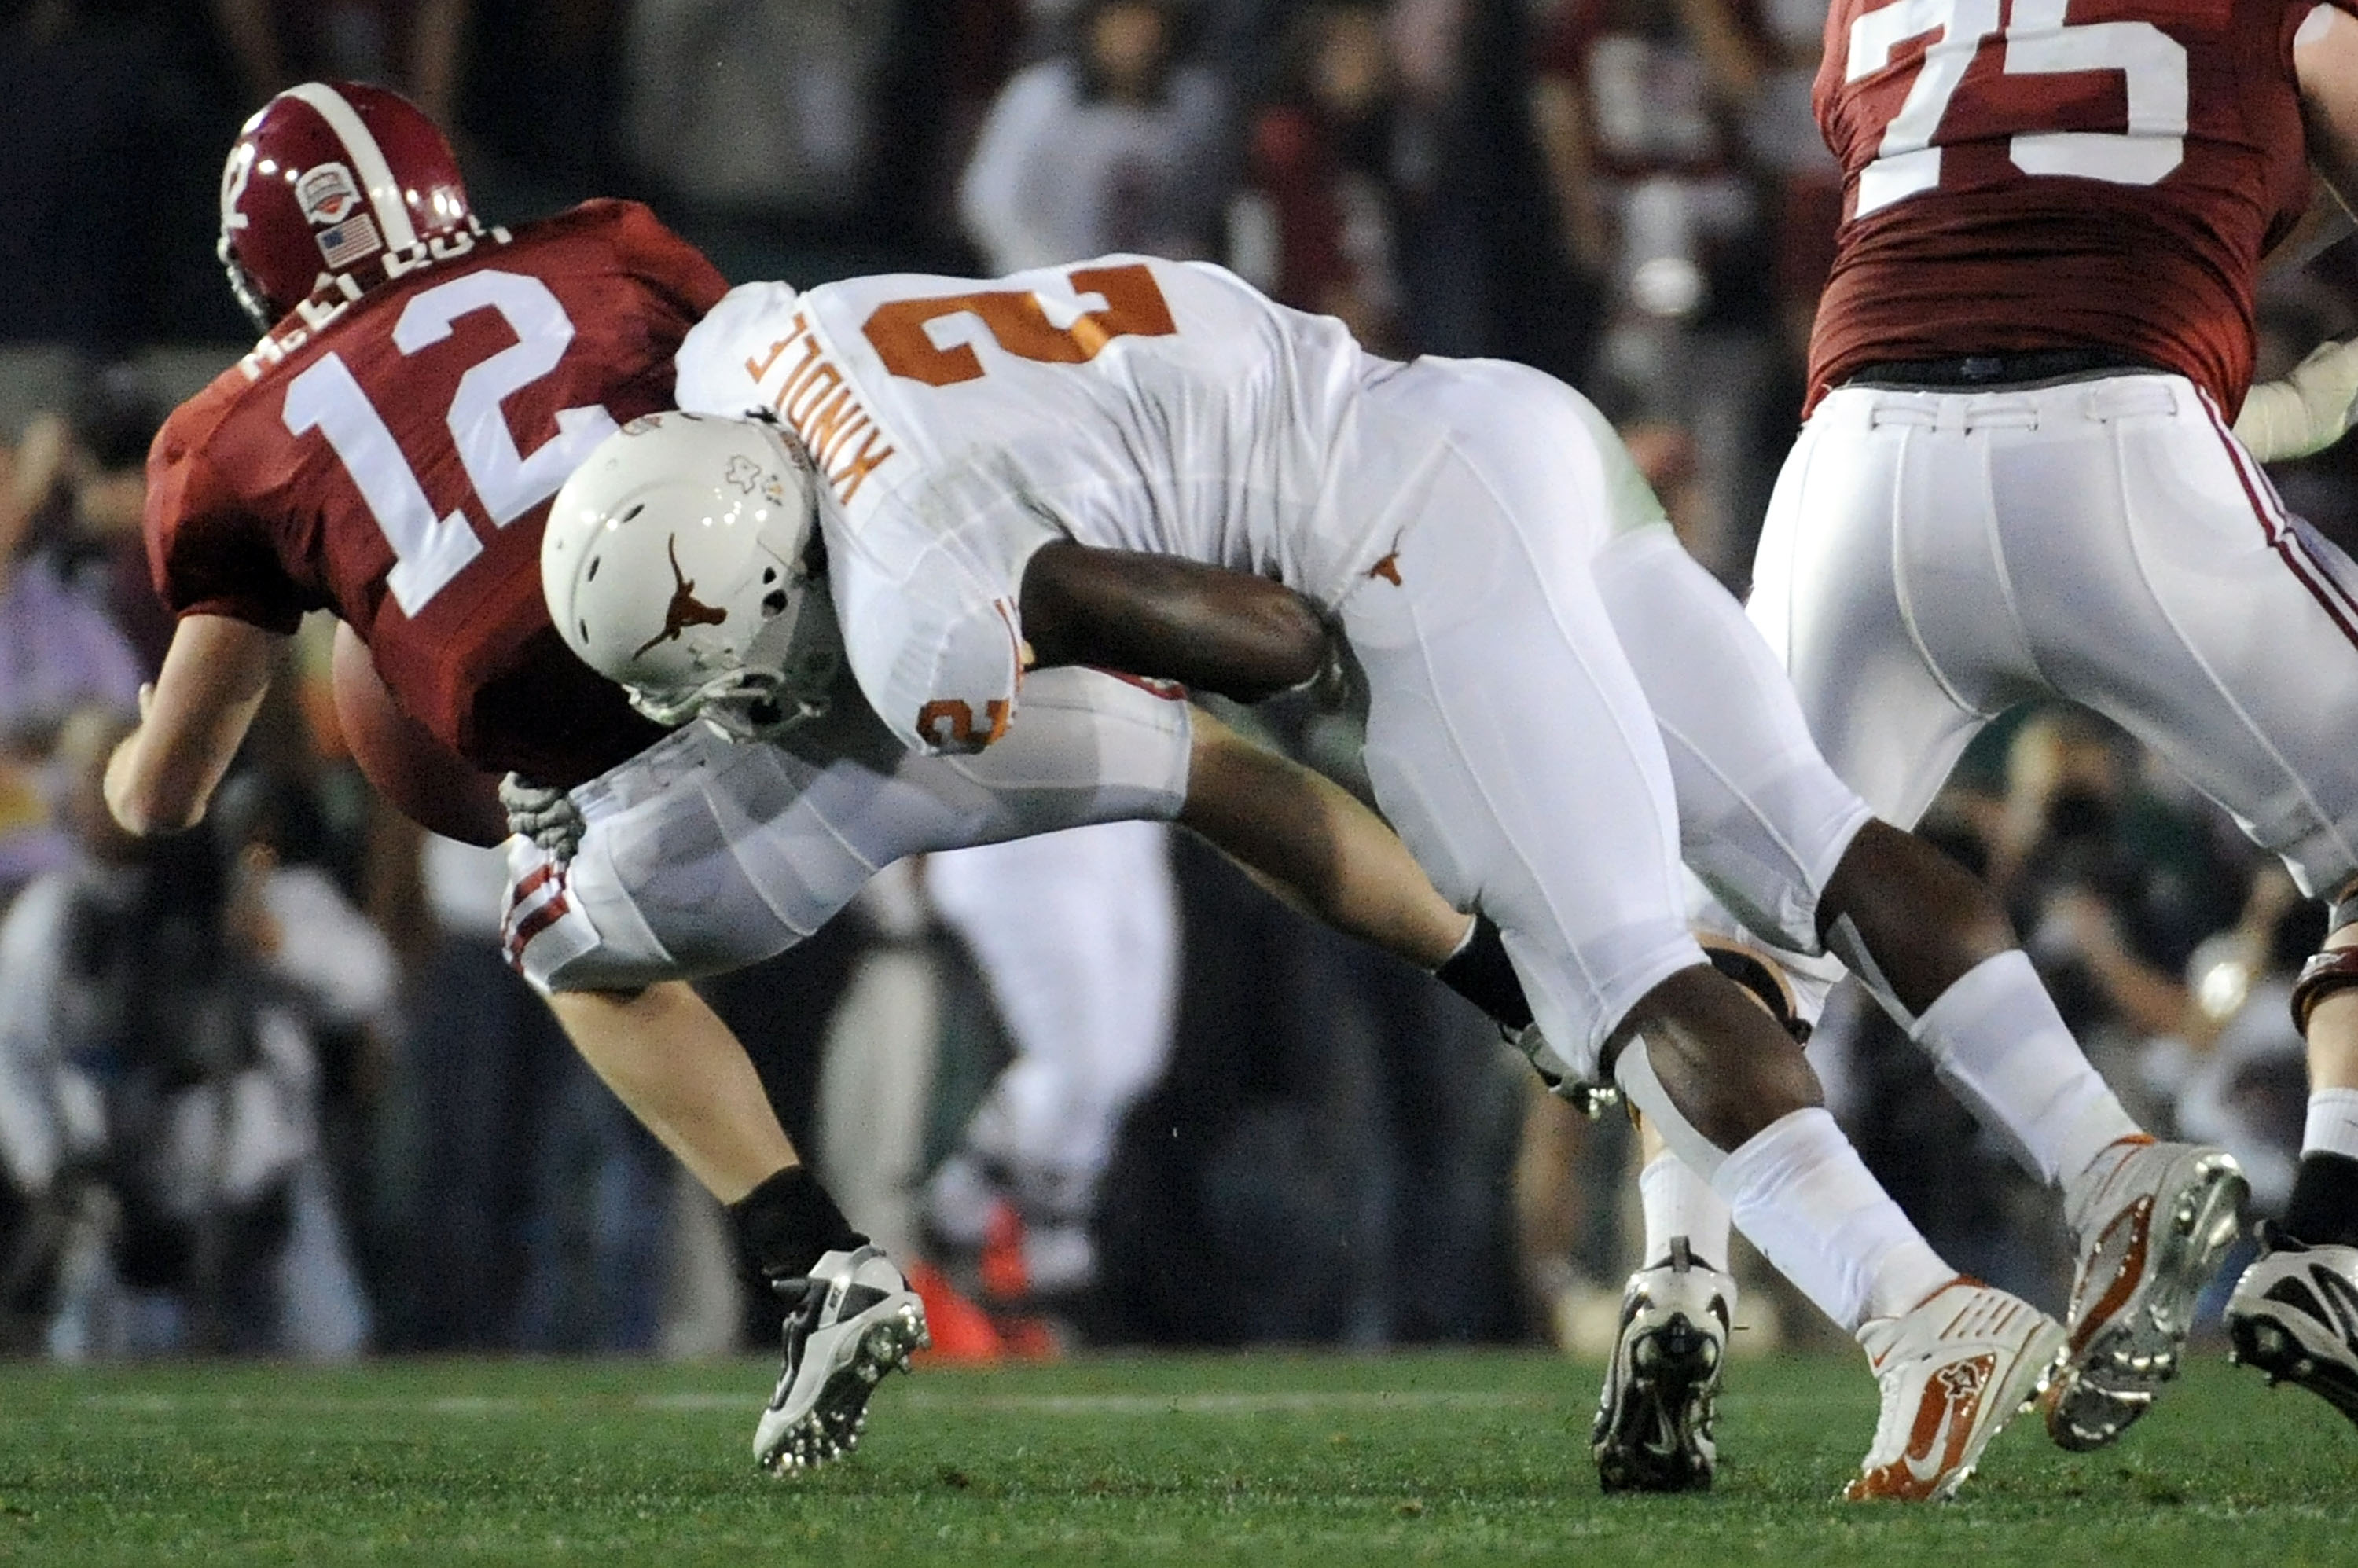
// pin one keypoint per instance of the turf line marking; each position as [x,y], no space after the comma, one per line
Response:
[1277,1404]
[1280,1402]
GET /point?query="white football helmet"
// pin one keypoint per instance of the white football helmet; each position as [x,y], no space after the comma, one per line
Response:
[677,562]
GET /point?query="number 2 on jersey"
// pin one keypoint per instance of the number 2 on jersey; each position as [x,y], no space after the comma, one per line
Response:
[429,551]
[1018,322]
[2037,40]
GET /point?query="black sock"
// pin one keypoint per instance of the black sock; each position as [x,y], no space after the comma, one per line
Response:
[2323,1211]
[1479,972]
[788,1222]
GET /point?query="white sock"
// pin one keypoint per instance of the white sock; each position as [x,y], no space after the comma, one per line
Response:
[2331,1129]
[1998,1043]
[1802,1195]
[1680,1202]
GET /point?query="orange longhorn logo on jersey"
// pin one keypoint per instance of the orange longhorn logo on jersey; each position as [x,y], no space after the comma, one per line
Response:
[685,608]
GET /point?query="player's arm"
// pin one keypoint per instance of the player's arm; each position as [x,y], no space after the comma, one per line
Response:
[1309,841]
[1243,636]
[2308,410]
[192,722]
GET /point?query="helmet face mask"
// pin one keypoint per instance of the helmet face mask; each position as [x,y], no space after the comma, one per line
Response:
[786,678]
[681,560]
[242,284]
[336,184]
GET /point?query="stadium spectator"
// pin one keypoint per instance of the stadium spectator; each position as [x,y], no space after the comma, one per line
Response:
[160,1086]
[58,647]
[1641,110]
[1109,145]
[1317,223]
[1482,270]
[2113,885]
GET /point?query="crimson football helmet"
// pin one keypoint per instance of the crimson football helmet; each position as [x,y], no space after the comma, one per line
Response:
[336,184]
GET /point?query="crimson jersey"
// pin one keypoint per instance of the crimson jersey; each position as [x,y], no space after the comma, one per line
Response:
[2043,174]
[392,461]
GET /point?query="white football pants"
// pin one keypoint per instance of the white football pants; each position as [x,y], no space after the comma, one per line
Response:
[1558,696]
[703,854]
[1931,560]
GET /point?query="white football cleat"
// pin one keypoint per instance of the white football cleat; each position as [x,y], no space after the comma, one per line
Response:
[2152,1228]
[1653,1430]
[1953,1371]
[2294,1316]
[851,1320]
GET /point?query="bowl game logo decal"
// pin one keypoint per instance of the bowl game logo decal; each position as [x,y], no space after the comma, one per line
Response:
[327,194]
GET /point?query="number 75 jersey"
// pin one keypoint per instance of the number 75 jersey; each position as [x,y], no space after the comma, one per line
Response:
[958,426]
[392,459]
[2040,174]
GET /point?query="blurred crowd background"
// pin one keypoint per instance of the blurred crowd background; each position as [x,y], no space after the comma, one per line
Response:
[268,1087]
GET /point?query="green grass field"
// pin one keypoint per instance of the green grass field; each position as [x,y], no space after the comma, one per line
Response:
[1273,1459]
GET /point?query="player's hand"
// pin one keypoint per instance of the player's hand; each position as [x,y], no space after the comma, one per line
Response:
[546,817]
[2306,412]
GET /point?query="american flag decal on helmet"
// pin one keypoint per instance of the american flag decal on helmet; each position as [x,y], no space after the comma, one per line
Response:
[349,242]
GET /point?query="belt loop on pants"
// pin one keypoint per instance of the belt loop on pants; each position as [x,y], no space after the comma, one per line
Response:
[2125,397]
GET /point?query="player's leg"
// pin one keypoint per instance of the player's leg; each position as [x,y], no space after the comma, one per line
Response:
[679,1069]
[1771,828]
[2234,654]
[2295,1312]
[661,872]
[1765,822]
[1895,670]
[1077,934]
[1655,1414]
[1909,653]
[1511,747]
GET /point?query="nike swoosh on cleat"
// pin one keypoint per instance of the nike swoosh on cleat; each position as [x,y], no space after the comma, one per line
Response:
[1958,1388]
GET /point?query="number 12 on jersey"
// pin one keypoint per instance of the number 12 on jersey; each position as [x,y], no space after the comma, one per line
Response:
[429,551]
[2037,40]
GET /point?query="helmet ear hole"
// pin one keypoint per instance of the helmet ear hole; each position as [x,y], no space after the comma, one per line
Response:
[591,575]
[775,601]
[769,575]
[634,512]
[585,630]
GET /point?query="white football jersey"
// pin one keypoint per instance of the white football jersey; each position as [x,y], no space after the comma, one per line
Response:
[1123,403]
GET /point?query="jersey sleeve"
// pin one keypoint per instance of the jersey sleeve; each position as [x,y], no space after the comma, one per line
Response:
[670,264]
[208,554]
[712,373]
[934,632]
